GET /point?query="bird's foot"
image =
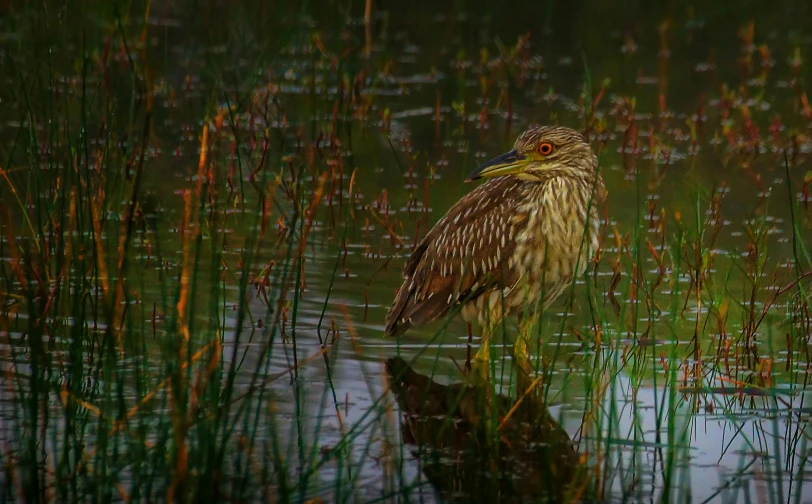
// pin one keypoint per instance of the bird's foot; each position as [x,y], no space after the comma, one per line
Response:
[521,362]
[520,359]
[479,375]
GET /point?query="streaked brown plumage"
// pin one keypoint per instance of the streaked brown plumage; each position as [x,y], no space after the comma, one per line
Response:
[515,241]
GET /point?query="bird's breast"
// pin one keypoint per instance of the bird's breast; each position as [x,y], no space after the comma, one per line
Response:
[558,238]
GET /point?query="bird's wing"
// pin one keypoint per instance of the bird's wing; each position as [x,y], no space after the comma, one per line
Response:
[466,253]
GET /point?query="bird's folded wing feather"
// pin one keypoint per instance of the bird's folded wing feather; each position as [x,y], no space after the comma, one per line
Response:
[465,254]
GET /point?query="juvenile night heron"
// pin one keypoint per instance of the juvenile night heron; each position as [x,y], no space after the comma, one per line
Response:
[511,245]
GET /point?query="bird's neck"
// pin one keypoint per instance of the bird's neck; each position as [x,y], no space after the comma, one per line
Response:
[567,202]
[566,185]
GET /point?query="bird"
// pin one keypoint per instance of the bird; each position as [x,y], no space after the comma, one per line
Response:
[512,244]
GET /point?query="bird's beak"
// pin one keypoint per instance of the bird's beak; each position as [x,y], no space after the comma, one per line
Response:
[506,164]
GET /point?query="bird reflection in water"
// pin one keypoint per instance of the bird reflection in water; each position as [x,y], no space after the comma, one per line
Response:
[471,452]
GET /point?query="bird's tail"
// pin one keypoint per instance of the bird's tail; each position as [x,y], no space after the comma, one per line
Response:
[395,323]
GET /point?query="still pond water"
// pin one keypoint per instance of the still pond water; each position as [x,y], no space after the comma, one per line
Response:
[690,112]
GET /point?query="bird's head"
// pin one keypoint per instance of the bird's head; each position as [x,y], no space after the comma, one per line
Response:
[542,152]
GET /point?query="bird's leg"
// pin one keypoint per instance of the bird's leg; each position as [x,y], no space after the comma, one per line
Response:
[527,327]
[480,367]
[468,349]
[489,318]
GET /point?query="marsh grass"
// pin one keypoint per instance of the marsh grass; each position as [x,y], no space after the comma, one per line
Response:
[194,240]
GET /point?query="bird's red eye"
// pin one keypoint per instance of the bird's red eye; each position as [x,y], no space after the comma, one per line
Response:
[545,149]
